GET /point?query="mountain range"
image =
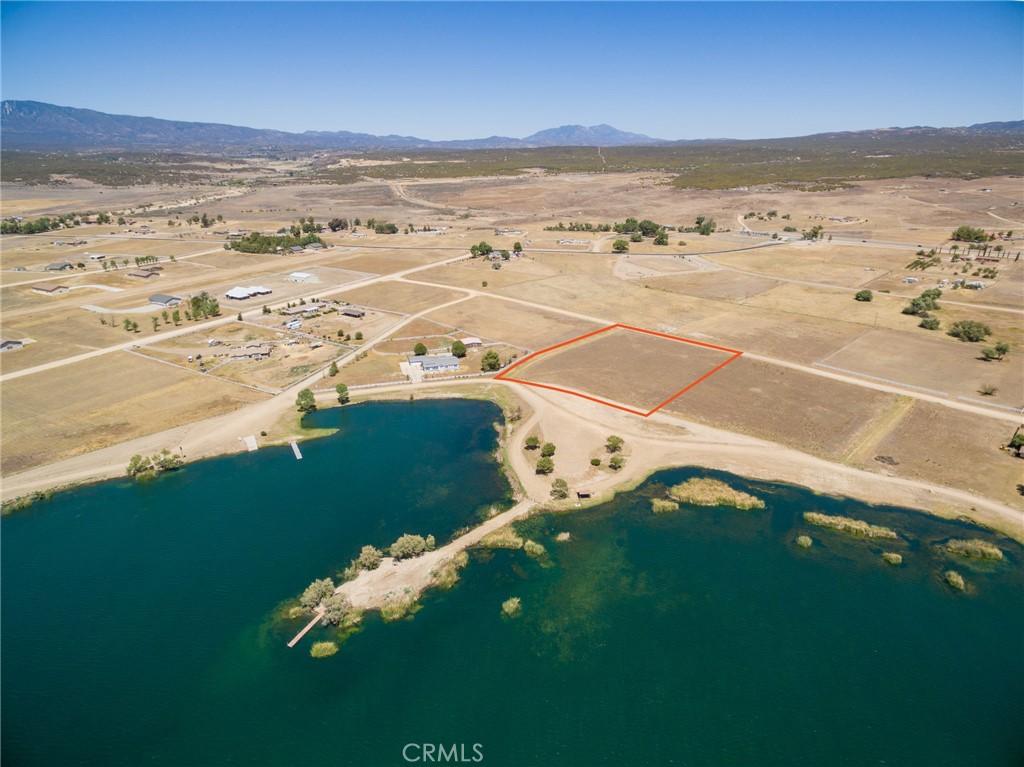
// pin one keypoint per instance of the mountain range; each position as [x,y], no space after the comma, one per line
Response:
[34,125]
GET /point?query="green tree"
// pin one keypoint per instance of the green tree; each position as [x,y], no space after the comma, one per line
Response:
[1002,348]
[545,466]
[636,237]
[548,449]
[370,558]
[989,354]
[505,255]
[359,335]
[517,248]
[342,391]
[490,361]
[306,401]
[458,349]
[333,369]
[408,546]
[559,489]
[337,609]
[138,464]
[969,330]
[419,349]
[967,233]
[614,444]
[616,462]
[620,246]
[532,442]
[864,295]
[315,593]
[156,322]
[930,323]
[661,238]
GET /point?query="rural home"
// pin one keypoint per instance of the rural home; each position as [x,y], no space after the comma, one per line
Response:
[161,299]
[9,344]
[58,266]
[143,275]
[314,246]
[97,256]
[49,288]
[302,309]
[251,352]
[302,277]
[471,341]
[296,248]
[435,363]
[353,311]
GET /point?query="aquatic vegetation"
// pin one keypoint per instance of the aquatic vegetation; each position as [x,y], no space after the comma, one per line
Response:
[24,501]
[804,541]
[396,607]
[534,549]
[563,537]
[446,574]
[892,558]
[712,492]
[323,649]
[503,538]
[848,525]
[955,580]
[662,505]
[974,548]
[512,607]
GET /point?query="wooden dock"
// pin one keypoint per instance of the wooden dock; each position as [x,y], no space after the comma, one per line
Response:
[295,449]
[316,619]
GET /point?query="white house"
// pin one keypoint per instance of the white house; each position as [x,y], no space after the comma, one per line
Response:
[435,363]
[164,300]
[302,277]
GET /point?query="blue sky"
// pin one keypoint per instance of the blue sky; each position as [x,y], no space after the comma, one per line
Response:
[467,70]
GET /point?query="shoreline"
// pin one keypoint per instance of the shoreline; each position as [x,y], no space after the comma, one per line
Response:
[736,454]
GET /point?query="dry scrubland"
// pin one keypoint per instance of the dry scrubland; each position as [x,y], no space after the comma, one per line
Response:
[791,302]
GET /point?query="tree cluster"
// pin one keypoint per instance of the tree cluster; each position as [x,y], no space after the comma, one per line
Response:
[970,330]
[967,233]
[411,546]
[165,460]
[254,242]
[927,302]
[204,305]
[481,249]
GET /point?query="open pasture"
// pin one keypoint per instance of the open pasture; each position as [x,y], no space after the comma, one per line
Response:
[624,366]
[404,297]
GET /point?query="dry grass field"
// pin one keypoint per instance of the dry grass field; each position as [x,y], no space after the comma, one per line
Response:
[400,296]
[91,404]
[624,366]
[926,362]
[519,326]
[953,448]
[810,413]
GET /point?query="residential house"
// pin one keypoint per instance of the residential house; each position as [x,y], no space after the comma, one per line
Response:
[49,288]
[435,363]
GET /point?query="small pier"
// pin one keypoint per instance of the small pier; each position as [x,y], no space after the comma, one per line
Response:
[316,619]
[250,443]
[295,449]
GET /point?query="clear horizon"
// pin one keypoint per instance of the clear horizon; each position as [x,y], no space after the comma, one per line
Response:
[450,71]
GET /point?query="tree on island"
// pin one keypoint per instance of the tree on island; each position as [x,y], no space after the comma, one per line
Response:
[306,401]
[315,593]
[370,558]
[337,608]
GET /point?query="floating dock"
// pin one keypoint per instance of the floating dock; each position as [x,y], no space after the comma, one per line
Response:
[295,449]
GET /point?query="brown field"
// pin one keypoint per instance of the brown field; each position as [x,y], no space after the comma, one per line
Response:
[635,369]
[720,285]
[841,265]
[953,448]
[421,327]
[810,413]
[519,326]
[400,296]
[472,274]
[373,368]
[945,365]
[114,398]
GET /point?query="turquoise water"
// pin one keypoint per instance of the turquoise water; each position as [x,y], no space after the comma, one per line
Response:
[140,622]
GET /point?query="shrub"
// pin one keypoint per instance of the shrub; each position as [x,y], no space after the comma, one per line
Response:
[548,449]
[955,580]
[614,444]
[713,492]
[397,607]
[988,390]
[804,541]
[446,575]
[512,607]
[560,489]
[534,549]
[370,558]
[864,295]
[969,330]
[595,461]
[408,546]
[848,525]
[661,505]
[975,548]
[323,649]
[930,323]
[532,443]
[545,466]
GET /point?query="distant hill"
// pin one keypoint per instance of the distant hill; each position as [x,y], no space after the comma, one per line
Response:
[33,125]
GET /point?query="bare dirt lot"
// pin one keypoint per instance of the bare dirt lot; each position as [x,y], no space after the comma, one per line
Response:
[624,366]
[400,296]
[113,398]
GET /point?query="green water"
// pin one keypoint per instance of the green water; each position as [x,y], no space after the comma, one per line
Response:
[139,622]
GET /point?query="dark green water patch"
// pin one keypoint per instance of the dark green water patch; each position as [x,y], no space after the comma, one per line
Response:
[139,623]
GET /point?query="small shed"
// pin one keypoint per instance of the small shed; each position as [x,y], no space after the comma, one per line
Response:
[582,494]
[9,344]
[471,341]
[58,266]
[162,299]
[353,311]
[302,277]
